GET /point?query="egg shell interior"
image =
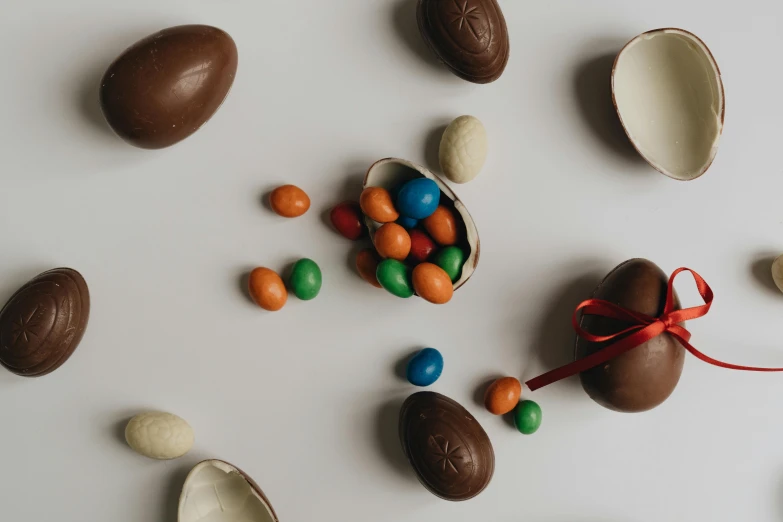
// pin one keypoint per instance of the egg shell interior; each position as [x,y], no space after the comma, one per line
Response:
[390,173]
[669,96]
[216,491]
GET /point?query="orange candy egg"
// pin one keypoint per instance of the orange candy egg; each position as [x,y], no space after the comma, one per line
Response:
[376,203]
[442,226]
[432,283]
[503,395]
[367,264]
[267,289]
[393,241]
[289,201]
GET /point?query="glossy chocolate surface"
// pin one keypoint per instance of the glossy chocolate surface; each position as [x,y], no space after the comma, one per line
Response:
[645,376]
[449,450]
[166,86]
[469,36]
[43,322]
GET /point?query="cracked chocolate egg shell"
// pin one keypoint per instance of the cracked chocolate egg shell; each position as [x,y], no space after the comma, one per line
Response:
[469,36]
[216,491]
[446,446]
[391,173]
[645,376]
[165,87]
[43,322]
[668,92]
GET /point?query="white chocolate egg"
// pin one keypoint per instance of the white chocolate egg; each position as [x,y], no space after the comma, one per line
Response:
[159,435]
[463,149]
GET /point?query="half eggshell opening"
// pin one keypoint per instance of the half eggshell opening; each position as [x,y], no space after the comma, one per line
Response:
[390,173]
[668,92]
[216,491]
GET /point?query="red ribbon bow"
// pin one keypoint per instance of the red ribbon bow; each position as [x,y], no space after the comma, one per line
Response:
[643,328]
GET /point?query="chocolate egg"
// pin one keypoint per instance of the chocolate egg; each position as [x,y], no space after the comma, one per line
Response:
[217,491]
[643,377]
[448,449]
[43,322]
[469,36]
[165,87]
[389,173]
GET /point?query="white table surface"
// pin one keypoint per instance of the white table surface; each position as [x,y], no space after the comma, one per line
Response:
[306,399]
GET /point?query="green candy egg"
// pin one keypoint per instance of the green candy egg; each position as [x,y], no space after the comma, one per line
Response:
[451,259]
[527,417]
[305,279]
[395,277]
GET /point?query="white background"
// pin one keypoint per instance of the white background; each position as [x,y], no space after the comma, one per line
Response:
[305,400]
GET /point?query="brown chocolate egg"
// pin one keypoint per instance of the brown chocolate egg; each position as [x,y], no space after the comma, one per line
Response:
[469,36]
[447,447]
[43,322]
[165,87]
[646,375]
[367,265]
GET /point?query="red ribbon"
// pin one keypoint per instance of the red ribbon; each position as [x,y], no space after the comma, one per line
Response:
[643,328]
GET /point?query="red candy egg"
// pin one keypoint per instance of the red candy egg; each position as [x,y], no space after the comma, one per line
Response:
[421,246]
[347,220]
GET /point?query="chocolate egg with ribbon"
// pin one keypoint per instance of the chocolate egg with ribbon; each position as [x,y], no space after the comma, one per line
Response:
[645,376]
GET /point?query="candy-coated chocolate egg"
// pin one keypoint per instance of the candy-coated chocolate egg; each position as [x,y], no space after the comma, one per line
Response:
[305,279]
[347,220]
[451,259]
[421,246]
[376,203]
[425,367]
[395,277]
[367,264]
[392,241]
[289,201]
[418,198]
[502,395]
[432,283]
[527,417]
[267,289]
[442,226]
[406,222]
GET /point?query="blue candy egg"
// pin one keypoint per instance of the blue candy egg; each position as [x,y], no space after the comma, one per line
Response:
[406,222]
[425,367]
[418,198]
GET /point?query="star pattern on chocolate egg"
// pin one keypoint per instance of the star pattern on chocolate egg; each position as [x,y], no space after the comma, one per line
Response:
[443,455]
[464,14]
[24,328]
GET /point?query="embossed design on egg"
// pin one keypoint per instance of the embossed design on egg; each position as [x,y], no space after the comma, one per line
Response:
[43,322]
[447,448]
[469,36]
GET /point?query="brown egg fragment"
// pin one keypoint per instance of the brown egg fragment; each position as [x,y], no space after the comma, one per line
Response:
[216,491]
[447,447]
[645,376]
[469,36]
[390,173]
[165,87]
[43,322]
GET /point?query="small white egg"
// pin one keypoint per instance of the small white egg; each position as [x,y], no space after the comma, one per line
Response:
[463,149]
[159,435]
